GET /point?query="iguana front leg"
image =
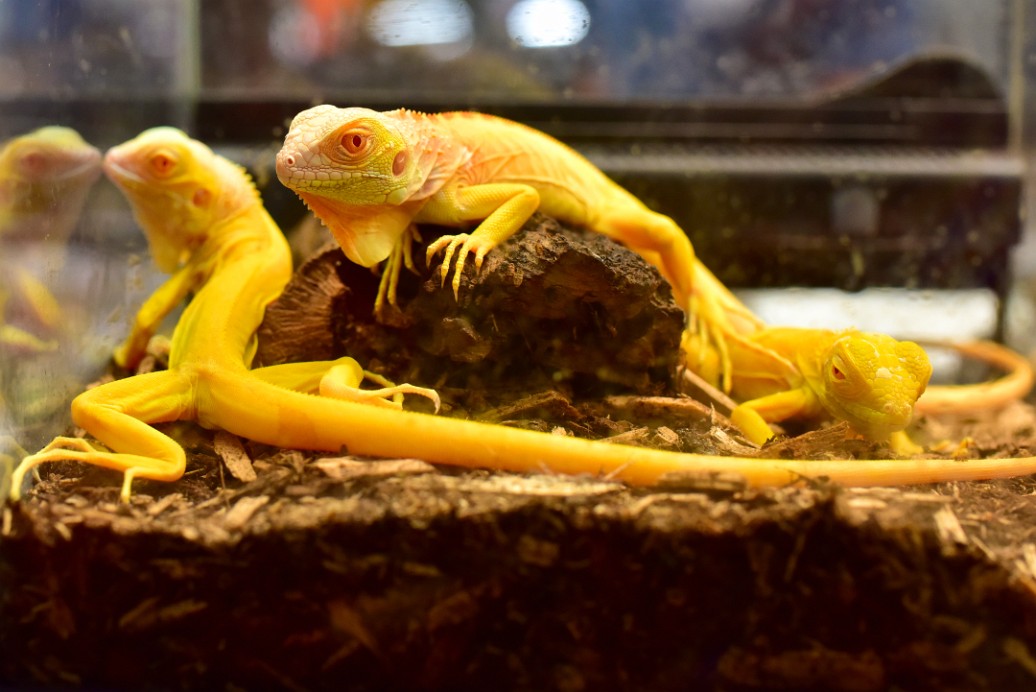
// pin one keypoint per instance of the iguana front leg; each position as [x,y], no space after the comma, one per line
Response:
[155,309]
[18,339]
[752,417]
[402,255]
[504,208]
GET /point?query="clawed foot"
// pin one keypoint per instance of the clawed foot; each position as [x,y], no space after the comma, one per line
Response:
[957,450]
[396,391]
[462,245]
[340,383]
[77,449]
[402,255]
[707,332]
[59,449]
[903,446]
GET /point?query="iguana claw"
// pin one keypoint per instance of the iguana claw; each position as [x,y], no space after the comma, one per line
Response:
[462,244]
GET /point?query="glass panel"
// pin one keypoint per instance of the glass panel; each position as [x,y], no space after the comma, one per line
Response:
[630,83]
[139,48]
[530,50]
[511,50]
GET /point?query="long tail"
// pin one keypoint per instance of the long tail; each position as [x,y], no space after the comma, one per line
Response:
[1016,384]
[266,413]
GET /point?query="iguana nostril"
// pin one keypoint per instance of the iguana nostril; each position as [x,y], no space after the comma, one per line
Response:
[285,165]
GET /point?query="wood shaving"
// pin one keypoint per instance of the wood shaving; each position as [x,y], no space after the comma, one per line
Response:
[232,451]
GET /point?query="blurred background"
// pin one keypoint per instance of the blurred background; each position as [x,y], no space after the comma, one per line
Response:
[667,50]
[838,162]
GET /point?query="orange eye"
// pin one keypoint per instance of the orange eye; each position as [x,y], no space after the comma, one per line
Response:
[836,373]
[162,164]
[354,142]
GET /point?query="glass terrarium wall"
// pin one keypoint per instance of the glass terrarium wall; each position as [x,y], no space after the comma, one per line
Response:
[73,267]
[852,145]
[669,51]
[1020,325]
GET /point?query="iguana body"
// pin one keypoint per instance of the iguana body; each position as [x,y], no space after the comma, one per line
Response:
[203,208]
[870,380]
[875,383]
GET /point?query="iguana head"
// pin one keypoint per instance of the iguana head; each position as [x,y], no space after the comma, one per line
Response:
[354,155]
[178,188]
[345,163]
[44,179]
[873,381]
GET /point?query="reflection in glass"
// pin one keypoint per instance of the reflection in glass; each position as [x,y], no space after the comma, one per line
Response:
[45,177]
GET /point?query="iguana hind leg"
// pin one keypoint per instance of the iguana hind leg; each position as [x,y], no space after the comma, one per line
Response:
[714,315]
[119,414]
[341,379]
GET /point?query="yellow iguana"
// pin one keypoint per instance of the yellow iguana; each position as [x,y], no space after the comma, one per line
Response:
[370,175]
[202,209]
[872,381]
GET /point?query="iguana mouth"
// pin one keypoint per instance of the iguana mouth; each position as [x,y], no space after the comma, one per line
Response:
[878,422]
[297,173]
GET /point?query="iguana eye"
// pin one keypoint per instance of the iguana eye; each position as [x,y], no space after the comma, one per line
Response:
[837,371]
[162,164]
[354,142]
